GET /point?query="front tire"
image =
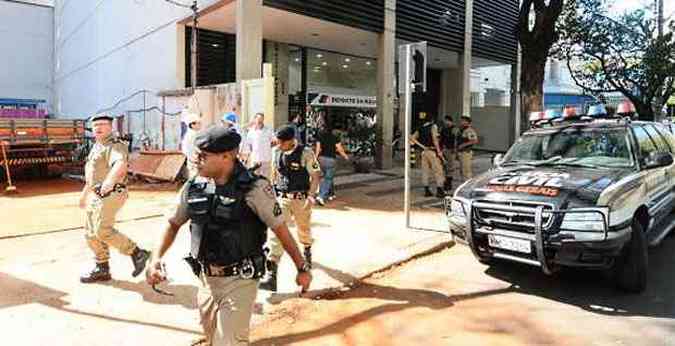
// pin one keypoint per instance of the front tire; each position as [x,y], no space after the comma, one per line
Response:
[631,268]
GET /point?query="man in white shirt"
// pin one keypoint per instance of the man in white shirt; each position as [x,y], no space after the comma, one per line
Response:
[187,145]
[257,148]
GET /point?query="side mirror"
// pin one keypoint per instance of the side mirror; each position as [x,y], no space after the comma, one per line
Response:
[658,159]
[497,159]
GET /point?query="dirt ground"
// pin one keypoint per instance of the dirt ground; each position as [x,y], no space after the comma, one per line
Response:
[448,298]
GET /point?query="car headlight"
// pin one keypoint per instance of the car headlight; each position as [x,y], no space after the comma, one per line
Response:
[589,221]
[457,208]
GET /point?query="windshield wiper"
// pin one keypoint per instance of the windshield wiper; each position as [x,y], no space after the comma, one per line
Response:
[571,163]
[548,161]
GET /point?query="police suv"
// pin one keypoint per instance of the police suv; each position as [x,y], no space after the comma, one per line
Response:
[573,191]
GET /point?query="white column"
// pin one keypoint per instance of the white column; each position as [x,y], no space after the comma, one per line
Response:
[278,55]
[249,39]
[386,62]
[465,60]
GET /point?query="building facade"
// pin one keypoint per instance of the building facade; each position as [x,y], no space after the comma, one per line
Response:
[26,61]
[334,57]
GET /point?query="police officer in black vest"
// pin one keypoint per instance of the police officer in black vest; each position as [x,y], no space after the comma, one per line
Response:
[229,209]
[427,138]
[296,175]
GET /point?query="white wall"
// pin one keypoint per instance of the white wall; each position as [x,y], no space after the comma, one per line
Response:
[107,50]
[26,63]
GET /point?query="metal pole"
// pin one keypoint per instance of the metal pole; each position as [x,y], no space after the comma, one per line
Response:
[193,47]
[408,110]
[163,120]
[659,17]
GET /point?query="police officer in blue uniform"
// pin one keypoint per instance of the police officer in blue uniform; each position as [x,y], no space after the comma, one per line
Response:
[229,209]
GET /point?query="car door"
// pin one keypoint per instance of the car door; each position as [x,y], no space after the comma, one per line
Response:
[657,180]
[669,140]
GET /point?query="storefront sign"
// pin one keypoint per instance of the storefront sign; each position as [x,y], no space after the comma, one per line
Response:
[331,100]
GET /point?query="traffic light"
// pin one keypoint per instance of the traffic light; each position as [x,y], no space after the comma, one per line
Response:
[419,68]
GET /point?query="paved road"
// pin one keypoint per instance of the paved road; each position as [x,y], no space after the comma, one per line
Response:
[450,299]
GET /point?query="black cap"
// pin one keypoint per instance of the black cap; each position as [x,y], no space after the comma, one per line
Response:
[217,139]
[101,116]
[286,133]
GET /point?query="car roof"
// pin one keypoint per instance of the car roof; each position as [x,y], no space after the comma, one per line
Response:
[598,123]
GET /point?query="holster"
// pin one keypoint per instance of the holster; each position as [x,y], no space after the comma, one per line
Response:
[194,264]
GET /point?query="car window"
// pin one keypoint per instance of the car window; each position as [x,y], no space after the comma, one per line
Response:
[660,142]
[645,143]
[588,145]
[667,134]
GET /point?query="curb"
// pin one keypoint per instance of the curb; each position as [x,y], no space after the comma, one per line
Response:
[416,251]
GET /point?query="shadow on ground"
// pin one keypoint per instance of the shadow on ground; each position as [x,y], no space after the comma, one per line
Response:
[594,291]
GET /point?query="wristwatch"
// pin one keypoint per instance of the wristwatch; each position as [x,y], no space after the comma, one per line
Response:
[305,267]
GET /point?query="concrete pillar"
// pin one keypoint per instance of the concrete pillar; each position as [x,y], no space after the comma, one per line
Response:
[465,60]
[249,39]
[278,55]
[386,62]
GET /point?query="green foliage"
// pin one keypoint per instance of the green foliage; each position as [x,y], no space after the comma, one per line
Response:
[618,53]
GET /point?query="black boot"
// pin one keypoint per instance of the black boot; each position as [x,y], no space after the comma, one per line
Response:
[440,193]
[308,255]
[100,273]
[427,192]
[269,282]
[139,258]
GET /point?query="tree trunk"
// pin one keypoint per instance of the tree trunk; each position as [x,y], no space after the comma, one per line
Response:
[532,86]
[644,110]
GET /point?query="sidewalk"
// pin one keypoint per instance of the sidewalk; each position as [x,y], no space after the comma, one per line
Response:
[356,235]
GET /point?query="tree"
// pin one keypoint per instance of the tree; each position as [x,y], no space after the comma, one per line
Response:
[536,43]
[622,54]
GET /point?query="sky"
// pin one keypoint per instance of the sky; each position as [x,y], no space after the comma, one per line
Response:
[623,5]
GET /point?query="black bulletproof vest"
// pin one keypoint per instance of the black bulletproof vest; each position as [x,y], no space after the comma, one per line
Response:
[224,229]
[425,135]
[293,176]
[449,137]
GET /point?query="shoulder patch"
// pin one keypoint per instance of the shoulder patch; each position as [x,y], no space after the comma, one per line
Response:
[315,165]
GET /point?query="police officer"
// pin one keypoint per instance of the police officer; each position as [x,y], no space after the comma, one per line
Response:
[230,209]
[103,195]
[449,136]
[467,140]
[427,137]
[296,175]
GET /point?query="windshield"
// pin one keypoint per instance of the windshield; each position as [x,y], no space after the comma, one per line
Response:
[592,147]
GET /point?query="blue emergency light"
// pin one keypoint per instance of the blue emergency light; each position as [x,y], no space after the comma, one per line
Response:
[596,110]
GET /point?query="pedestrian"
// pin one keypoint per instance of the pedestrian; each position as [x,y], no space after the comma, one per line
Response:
[230,121]
[229,209]
[449,137]
[257,148]
[300,129]
[103,195]
[187,145]
[427,138]
[327,147]
[467,139]
[295,174]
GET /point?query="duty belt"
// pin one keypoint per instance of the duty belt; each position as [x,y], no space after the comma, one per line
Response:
[119,188]
[245,269]
[292,195]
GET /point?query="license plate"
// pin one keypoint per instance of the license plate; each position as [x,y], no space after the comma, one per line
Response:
[513,244]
